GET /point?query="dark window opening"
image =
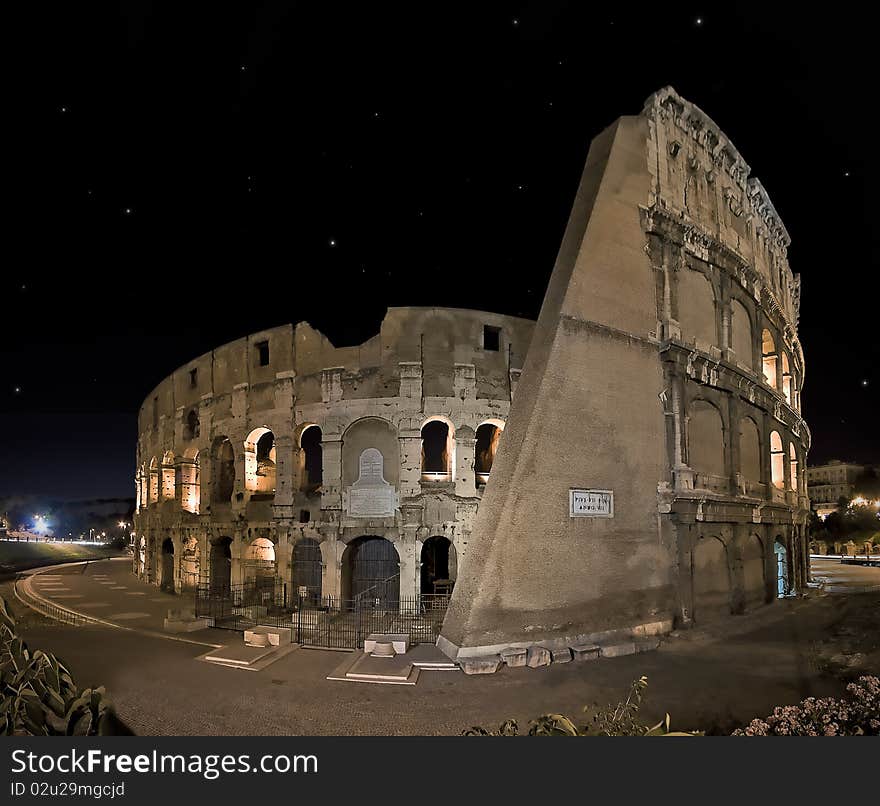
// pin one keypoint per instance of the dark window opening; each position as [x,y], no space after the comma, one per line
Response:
[192,424]
[435,447]
[487,444]
[193,378]
[304,516]
[263,353]
[491,338]
[313,470]
[264,447]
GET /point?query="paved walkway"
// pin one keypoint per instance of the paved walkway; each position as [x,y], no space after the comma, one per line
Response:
[716,678]
[107,590]
[839,578]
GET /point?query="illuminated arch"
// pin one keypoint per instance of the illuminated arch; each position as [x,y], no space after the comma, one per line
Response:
[259,461]
[777,461]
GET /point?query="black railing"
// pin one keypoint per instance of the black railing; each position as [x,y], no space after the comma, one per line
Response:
[322,621]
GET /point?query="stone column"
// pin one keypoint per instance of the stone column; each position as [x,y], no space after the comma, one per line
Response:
[285,475]
[331,561]
[410,442]
[465,477]
[331,491]
[409,565]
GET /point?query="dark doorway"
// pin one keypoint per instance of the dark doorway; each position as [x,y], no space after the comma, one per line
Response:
[371,571]
[167,583]
[221,566]
[307,569]
[438,566]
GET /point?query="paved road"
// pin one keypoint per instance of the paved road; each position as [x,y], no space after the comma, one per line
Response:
[839,578]
[706,678]
[107,590]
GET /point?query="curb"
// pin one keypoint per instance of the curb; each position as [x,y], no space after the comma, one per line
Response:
[46,607]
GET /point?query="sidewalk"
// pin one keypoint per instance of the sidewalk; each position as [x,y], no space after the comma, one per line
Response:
[106,593]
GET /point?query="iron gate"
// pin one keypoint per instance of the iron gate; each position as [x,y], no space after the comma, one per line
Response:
[327,621]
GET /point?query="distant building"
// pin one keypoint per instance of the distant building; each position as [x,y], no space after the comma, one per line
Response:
[826,484]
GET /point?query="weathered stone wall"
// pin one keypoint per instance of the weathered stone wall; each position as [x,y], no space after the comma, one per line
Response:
[650,375]
[424,364]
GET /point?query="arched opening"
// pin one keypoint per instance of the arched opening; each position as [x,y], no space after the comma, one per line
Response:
[191,425]
[777,461]
[189,564]
[190,484]
[488,436]
[259,564]
[769,358]
[221,566]
[439,566]
[741,333]
[312,475]
[711,579]
[436,451]
[696,308]
[783,586]
[224,471]
[793,466]
[307,567]
[371,571]
[167,489]
[705,441]
[153,494]
[259,463]
[749,450]
[786,378]
[754,592]
[166,583]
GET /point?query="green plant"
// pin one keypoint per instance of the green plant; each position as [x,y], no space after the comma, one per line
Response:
[614,720]
[38,696]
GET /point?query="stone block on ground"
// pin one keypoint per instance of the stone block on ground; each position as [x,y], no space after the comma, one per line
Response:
[647,644]
[485,665]
[537,656]
[514,656]
[400,642]
[263,635]
[618,650]
[561,655]
[583,652]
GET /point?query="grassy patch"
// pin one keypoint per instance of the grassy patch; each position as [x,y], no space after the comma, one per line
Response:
[17,556]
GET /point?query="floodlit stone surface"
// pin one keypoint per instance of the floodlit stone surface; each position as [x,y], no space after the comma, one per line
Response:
[665,371]
[538,656]
[514,656]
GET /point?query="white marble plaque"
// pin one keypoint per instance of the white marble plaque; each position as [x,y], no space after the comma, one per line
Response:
[371,496]
[591,503]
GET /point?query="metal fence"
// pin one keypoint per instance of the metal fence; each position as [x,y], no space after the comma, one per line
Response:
[327,621]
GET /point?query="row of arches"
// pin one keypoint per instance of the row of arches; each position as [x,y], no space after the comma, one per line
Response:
[708,448]
[696,309]
[160,481]
[716,589]
[370,567]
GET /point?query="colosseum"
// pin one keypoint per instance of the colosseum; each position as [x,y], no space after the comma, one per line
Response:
[280,463]
[632,461]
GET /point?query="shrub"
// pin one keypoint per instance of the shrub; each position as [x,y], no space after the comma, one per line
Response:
[38,696]
[614,720]
[856,715]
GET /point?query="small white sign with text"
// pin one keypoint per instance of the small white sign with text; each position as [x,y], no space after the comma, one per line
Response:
[591,503]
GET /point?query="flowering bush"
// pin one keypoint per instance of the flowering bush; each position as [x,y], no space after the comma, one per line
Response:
[855,715]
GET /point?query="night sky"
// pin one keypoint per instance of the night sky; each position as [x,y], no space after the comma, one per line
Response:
[181,177]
